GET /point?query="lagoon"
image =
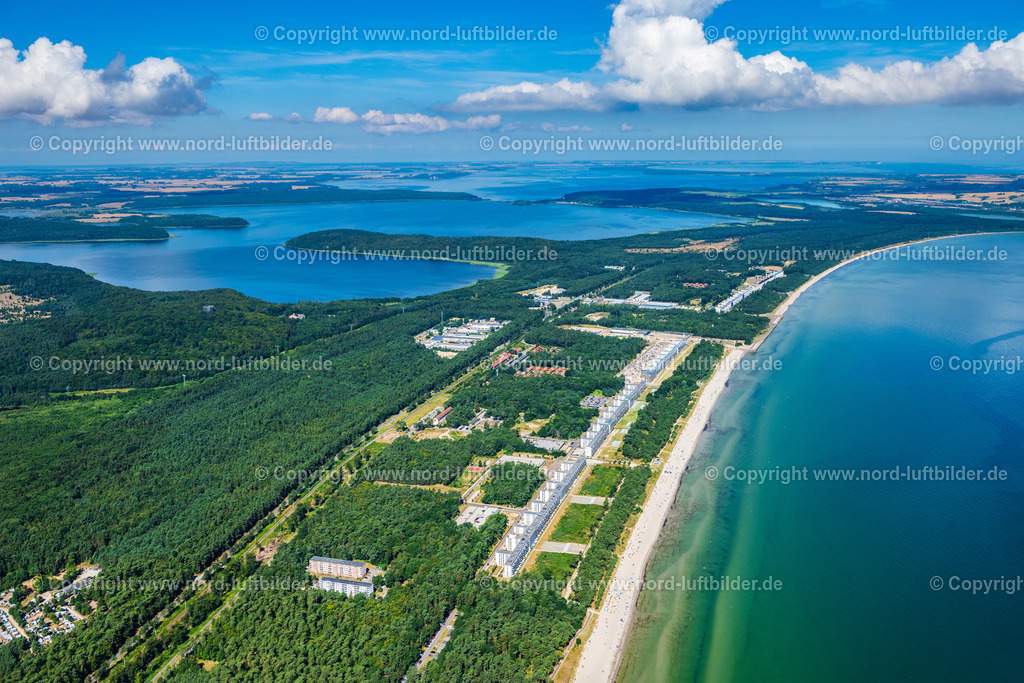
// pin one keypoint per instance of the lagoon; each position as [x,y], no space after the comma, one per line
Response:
[205,259]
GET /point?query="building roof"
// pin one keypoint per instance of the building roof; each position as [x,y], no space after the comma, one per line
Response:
[349,563]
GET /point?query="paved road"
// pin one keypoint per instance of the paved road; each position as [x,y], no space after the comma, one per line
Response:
[439,640]
[588,500]
[570,548]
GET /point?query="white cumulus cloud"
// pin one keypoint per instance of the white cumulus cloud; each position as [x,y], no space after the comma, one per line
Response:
[48,83]
[335,115]
[478,122]
[657,54]
[530,96]
[377,121]
[260,116]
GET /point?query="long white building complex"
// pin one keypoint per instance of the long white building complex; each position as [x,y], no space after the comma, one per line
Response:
[349,588]
[515,547]
[519,541]
[328,566]
[745,291]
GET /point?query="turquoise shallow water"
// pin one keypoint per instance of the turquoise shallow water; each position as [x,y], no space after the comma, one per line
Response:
[857,560]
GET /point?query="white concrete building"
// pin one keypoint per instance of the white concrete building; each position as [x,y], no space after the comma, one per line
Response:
[350,588]
[328,566]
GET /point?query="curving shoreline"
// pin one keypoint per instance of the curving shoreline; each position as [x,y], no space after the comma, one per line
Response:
[776,315]
[602,652]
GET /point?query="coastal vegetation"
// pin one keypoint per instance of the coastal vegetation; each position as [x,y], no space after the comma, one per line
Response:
[577,523]
[23,229]
[511,484]
[191,221]
[602,482]
[441,461]
[127,228]
[653,426]
[599,561]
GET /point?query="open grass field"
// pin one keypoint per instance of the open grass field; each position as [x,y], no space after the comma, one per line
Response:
[578,523]
[602,482]
[555,566]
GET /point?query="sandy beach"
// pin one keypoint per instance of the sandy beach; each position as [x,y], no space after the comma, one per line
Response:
[603,650]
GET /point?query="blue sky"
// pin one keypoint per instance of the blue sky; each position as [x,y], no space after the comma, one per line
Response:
[647,71]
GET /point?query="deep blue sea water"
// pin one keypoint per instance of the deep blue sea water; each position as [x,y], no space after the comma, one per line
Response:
[859,561]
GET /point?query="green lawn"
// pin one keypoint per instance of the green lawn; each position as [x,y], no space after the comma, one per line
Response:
[578,523]
[556,566]
[602,482]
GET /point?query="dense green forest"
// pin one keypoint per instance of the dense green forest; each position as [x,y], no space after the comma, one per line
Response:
[394,527]
[101,337]
[512,484]
[440,461]
[501,633]
[652,428]
[276,633]
[66,230]
[157,483]
[187,220]
[506,634]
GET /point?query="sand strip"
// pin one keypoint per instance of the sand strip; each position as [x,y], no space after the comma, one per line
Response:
[603,649]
